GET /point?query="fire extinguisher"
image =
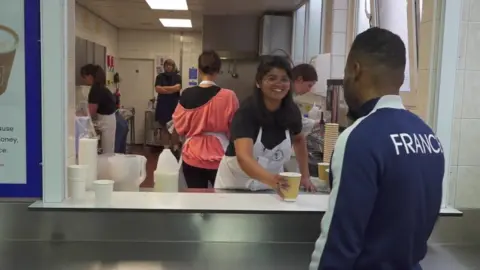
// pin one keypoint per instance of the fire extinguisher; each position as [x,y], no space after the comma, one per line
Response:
[116,81]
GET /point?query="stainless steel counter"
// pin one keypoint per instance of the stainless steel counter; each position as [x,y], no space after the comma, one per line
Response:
[151,240]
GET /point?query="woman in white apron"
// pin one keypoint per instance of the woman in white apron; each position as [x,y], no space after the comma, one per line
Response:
[203,116]
[263,131]
[101,105]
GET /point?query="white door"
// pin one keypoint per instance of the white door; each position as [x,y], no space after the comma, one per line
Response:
[136,88]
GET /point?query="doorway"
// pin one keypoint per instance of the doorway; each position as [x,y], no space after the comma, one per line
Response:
[137,88]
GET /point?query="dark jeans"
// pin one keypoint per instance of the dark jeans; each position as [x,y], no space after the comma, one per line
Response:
[198,177]
[121,134]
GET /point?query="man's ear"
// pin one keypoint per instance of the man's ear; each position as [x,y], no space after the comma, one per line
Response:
[357,71]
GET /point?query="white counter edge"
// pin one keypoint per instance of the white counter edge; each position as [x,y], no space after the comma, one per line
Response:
[198,202]
[194,202]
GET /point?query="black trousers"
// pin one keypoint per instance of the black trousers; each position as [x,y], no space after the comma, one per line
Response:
[198,177]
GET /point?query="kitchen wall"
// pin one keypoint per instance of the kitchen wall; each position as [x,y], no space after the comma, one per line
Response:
[91,27]
[221,33]
[465,153]
[138,44]
[244,83]
[134,44]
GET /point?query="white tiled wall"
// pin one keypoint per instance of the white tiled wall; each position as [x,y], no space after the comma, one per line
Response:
[339,37]
[137,44]
[91,27]
[465,154]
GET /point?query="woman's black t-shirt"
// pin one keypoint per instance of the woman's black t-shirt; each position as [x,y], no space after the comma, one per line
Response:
[246,124]
[103,97]
[197,96]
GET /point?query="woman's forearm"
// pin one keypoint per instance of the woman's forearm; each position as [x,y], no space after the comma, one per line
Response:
[160,90]
[172,89]
[301,154]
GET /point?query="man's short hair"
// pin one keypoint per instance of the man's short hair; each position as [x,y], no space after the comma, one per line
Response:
[306,71]
[380,47]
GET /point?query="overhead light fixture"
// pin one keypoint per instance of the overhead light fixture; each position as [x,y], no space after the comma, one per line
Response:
[180,23]
[168,4]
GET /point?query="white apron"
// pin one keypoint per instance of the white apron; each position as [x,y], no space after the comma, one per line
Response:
[107,124]
[231,176]
[222,138]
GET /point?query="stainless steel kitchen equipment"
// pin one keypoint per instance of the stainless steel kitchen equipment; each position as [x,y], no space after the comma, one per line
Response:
[334,95]
[128,113]
[152,130]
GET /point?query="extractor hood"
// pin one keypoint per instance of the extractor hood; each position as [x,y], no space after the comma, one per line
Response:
[247,37]
[232,37]
[276,35]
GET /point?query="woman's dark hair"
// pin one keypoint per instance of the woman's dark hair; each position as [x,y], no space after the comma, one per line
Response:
[306,71]
[96,71]
[209,62]
[285,115]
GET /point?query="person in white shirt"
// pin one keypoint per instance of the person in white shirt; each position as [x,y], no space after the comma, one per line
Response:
[304,78]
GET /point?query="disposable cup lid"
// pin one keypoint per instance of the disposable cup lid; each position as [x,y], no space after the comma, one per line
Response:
[103,182]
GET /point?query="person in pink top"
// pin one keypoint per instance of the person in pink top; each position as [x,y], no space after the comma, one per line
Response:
[203,116]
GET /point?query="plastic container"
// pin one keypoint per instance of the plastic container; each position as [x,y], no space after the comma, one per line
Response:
[127,171]
[315,112]
[166,175]
[166,182]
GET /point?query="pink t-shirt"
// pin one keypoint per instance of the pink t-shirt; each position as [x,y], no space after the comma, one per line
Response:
[205,151]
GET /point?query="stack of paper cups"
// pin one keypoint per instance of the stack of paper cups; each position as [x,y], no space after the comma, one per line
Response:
[103,192]
[331,136]
[88,155]
[77,175]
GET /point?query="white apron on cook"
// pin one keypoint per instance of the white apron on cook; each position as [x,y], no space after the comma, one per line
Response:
[222,138]
[231,176]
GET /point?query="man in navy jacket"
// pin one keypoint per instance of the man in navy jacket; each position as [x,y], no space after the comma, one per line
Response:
[386,171]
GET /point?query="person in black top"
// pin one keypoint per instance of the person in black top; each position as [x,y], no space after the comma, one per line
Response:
[168,85]
[101,105]
[263,131]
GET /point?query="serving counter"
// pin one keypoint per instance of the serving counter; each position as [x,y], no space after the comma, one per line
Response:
[206,201]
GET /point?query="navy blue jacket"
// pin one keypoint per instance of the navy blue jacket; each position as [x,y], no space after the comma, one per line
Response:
[166,103]
[386,174]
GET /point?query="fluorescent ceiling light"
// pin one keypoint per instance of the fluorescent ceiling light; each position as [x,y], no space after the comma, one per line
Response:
[183,23]
[168,4]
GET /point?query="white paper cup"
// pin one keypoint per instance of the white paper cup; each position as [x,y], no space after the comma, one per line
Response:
[103,192]
[77,172]
[77,188]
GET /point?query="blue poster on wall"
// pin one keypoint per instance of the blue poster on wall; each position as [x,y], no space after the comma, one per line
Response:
[20,99]
[192,76]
